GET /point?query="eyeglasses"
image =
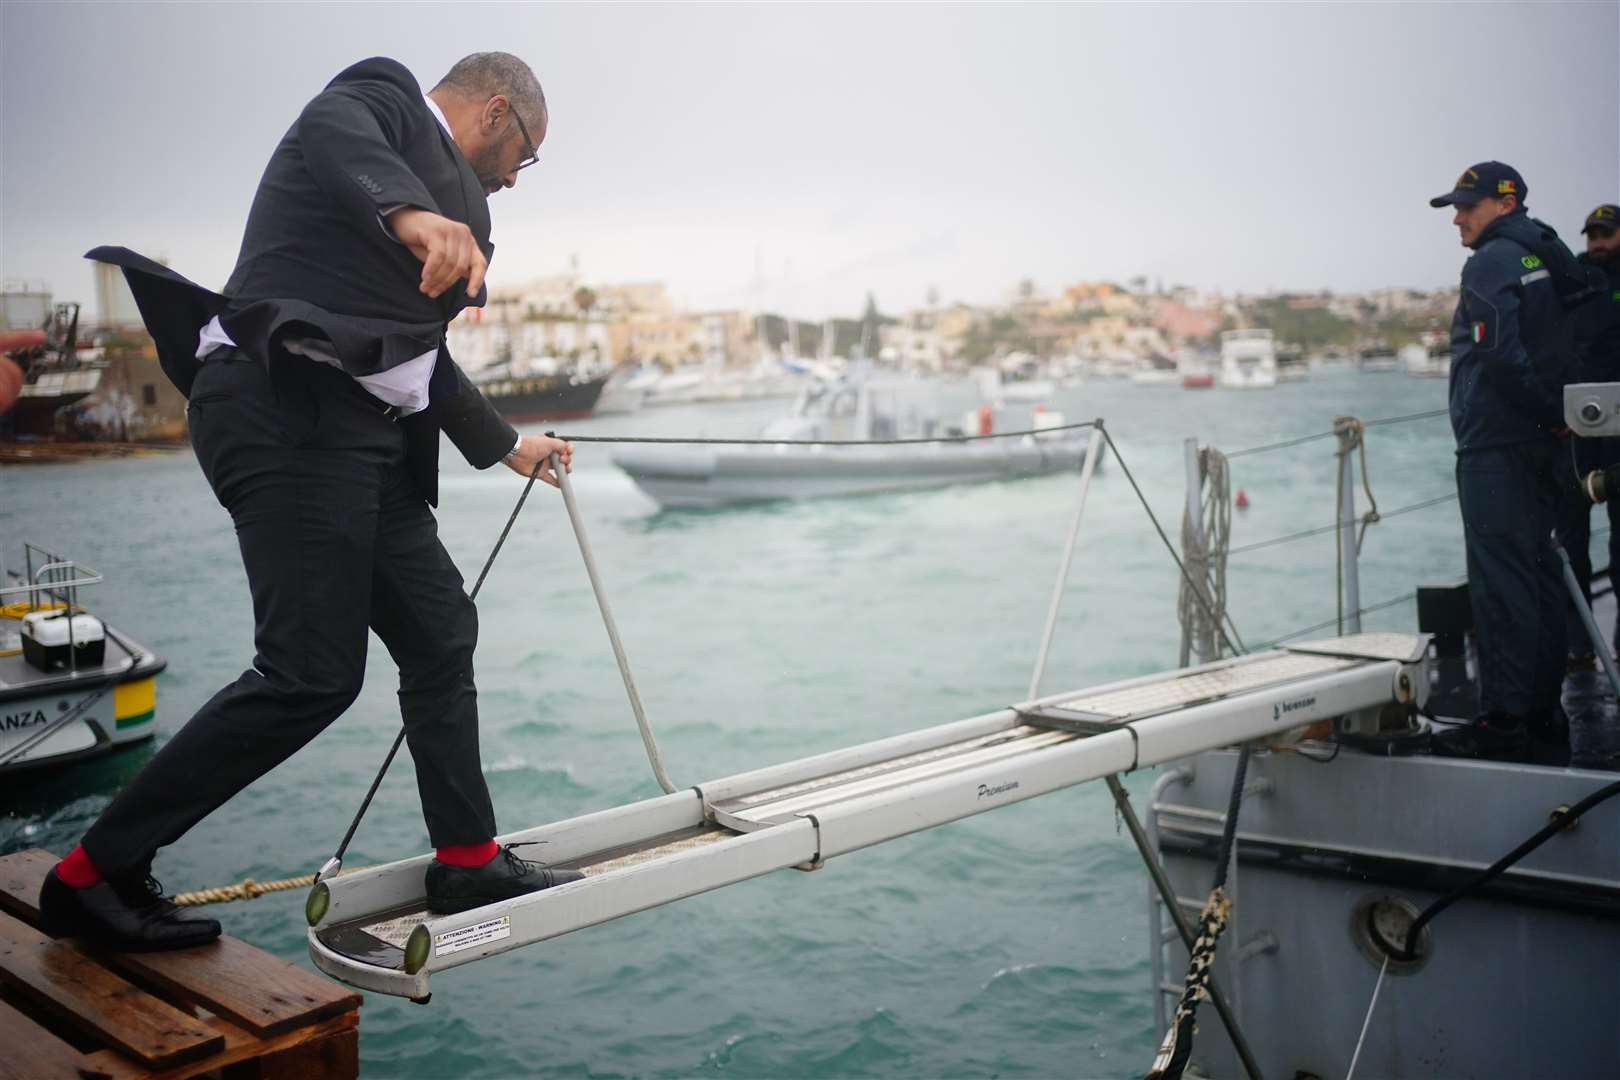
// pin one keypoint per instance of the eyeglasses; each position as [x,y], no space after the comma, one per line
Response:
[533,151]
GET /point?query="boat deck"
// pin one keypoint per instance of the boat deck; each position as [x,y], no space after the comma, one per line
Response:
[222,1009]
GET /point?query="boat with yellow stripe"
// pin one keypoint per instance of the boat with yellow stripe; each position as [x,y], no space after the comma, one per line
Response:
[71,687]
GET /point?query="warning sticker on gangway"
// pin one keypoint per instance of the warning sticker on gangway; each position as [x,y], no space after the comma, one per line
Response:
[470,937]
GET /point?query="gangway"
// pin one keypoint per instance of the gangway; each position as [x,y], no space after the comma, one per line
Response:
[371,928]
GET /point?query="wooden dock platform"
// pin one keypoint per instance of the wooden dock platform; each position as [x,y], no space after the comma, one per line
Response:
[225,1009]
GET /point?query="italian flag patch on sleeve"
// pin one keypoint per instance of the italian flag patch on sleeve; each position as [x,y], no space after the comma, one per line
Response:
[1477,332]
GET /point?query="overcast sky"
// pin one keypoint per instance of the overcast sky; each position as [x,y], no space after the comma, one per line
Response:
[828,150]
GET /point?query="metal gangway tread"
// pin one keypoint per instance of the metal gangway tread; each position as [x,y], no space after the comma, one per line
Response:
[372,929]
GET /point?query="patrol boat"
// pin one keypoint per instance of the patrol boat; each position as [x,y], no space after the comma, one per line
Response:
[808,463]
[1393,913]
[71,687]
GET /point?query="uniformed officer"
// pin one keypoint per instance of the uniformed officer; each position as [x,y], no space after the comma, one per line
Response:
[1511,353]
[1597,339]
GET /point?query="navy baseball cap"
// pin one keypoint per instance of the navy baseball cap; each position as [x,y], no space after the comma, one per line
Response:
[1487,179]
[1605,217]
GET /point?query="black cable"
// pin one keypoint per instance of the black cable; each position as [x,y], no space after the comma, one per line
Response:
[1223,859]
[1431,414]
[376,782]
[1560,821]
[1280,445]
[1319,530]
[1319,759]
[680,441]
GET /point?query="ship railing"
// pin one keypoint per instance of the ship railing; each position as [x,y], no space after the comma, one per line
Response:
[1206,522]
[56,581]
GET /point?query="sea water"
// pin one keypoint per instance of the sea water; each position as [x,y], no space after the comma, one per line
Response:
[1010,944]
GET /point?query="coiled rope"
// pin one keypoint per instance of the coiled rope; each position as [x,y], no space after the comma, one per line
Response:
[1205,551]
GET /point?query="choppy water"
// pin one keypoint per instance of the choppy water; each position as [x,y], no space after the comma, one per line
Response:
[1011,944]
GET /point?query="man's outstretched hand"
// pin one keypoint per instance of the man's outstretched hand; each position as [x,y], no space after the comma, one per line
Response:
[539,448]
[447,249]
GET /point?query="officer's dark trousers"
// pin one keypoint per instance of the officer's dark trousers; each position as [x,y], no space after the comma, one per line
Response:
[1575,530]
[1510,499]
[334,540]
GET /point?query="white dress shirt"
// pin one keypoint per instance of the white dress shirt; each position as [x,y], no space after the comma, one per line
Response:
[405,387]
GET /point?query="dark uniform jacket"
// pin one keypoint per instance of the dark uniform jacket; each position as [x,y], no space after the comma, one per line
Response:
[1512,346]
[317,262]
[1597,325]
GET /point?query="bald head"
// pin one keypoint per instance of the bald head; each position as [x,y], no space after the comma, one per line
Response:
[481,76]
[497,115]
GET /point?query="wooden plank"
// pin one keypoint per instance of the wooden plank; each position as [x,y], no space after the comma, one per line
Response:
[87,996]
[32,1053]
[242,1050]
[21,875]
[263,993]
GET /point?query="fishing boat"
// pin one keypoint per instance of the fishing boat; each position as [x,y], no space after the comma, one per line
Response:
[852,408]
[71,687]
[1016,377]
[1378,357]
[56,372]
[1429,357]
[562,396]
[1292,366]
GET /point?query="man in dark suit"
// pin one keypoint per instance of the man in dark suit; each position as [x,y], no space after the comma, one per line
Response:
[318,385]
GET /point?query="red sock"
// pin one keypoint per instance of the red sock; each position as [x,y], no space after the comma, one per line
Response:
[77,870]
[468,854]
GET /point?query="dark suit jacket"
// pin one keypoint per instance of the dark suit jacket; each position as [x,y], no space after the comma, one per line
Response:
[317,262]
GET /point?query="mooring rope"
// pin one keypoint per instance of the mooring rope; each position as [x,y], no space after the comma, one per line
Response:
[1174,1052]
[246,889]
[1366,1021]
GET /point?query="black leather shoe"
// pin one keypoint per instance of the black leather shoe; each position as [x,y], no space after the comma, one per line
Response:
[130,915]
[461,888]
[1493,737]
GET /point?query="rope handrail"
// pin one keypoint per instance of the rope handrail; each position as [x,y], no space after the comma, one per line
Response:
[1320,530]
[684,441]
[1286,443]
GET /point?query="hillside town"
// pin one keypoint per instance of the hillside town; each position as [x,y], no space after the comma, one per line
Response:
[1088,328]
[96,379]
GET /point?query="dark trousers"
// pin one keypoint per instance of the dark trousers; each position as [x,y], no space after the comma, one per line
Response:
[1575,531]
[1509,498]
[335,540]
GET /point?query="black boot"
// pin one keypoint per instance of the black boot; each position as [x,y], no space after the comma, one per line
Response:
[1493,736]
[129,915]
[461,888]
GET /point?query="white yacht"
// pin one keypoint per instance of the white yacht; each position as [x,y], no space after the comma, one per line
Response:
[1248,359]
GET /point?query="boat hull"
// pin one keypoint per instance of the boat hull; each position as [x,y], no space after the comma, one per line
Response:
[115,704]
[709,476]
[554,398]
[1317,842]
